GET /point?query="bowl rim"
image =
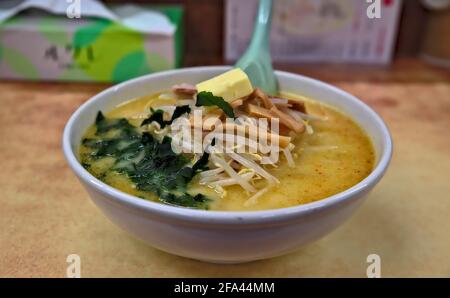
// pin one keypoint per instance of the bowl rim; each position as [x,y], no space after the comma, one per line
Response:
[227,217]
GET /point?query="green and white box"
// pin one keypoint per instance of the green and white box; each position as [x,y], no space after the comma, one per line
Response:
[38,45]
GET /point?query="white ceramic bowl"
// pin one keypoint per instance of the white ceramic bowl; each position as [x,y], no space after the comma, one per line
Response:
[222,236]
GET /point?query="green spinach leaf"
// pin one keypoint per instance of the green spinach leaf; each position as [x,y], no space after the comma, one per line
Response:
[157,116]
[208,99]
[150,165]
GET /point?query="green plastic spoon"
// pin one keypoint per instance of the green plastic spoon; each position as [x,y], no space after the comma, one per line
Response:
[256,61]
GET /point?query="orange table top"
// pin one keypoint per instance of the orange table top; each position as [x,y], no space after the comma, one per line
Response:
[45,214]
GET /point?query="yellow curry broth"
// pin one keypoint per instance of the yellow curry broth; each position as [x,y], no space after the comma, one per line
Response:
[335,157]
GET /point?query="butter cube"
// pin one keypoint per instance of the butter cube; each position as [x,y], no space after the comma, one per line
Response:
[230,86]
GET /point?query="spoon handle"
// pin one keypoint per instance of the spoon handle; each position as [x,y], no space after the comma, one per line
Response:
[256,60]
[261,33]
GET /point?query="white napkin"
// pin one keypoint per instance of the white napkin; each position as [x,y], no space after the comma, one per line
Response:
[142,20]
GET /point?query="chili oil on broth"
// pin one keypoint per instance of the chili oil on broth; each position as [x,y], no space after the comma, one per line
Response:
[335,157]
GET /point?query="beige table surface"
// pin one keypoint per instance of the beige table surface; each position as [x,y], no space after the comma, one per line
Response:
[45,214]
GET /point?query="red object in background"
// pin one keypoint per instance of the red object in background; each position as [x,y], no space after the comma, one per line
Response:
[388,2]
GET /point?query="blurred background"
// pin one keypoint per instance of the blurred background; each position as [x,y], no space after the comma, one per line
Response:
[125,39]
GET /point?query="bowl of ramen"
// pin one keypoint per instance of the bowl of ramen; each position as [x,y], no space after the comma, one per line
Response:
[199,163]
